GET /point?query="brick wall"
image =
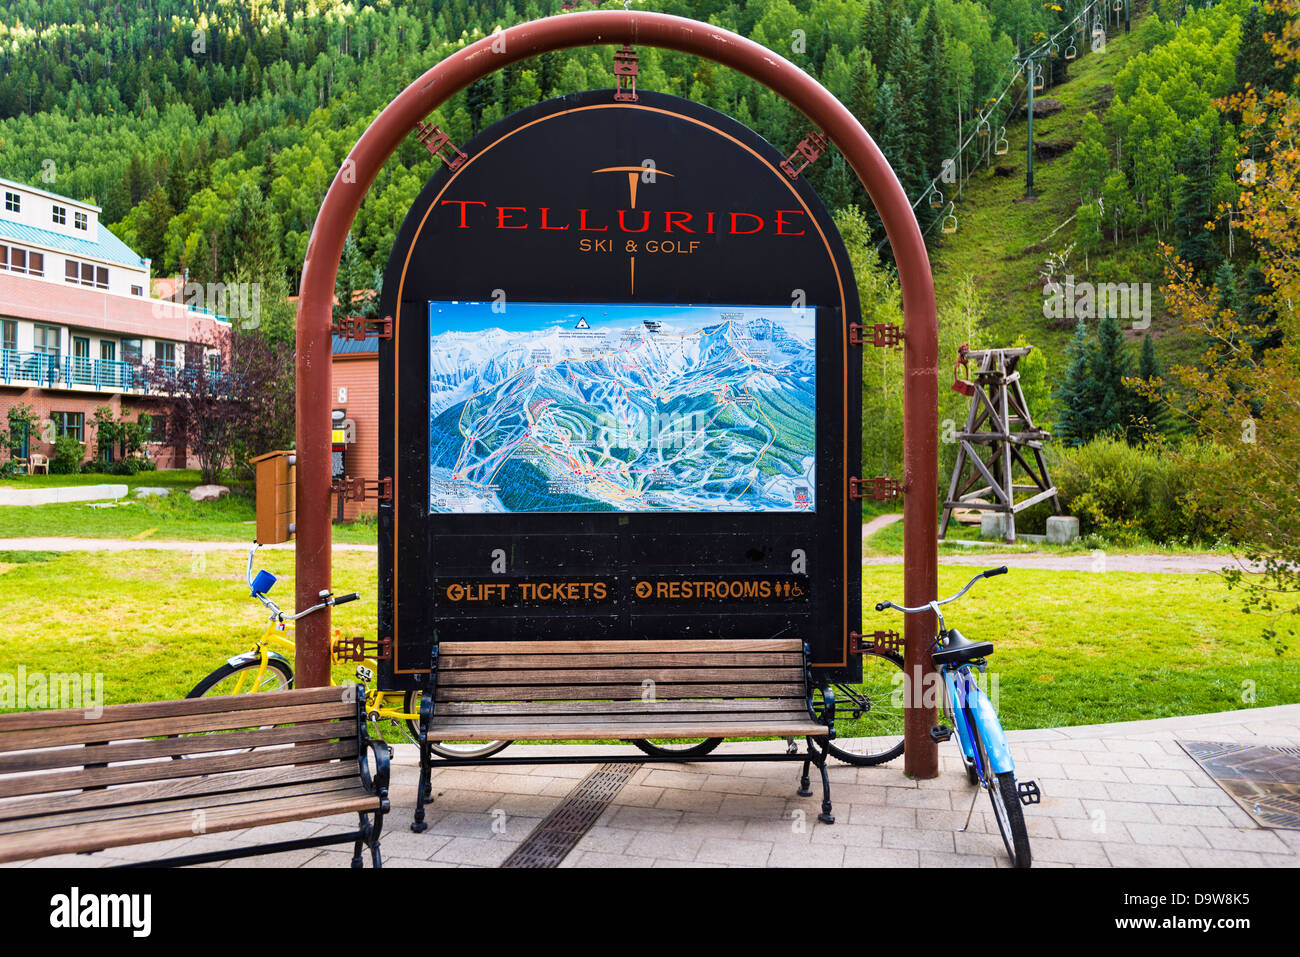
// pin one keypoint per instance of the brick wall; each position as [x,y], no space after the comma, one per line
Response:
[45,402]
[359,374]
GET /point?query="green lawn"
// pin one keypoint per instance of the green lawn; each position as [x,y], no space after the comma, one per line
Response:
[164,478]
[176,517]
[1072,647]
[889,541]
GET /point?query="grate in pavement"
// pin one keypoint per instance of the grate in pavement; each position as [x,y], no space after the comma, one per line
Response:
[1263,779]
[552,840]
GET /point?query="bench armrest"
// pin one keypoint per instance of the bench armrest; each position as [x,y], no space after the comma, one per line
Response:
[375,782]
[828,708]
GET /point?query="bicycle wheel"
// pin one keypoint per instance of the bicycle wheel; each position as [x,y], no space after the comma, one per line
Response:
[868,714]
[239,678]
[449,749]
[677,747]
[1006,806]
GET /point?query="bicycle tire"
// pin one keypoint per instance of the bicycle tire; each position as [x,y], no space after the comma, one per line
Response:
[274,666]
[457,749]
[1005,798]
[877,689]
[656,750]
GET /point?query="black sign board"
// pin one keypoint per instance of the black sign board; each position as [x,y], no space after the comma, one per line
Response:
[619,400]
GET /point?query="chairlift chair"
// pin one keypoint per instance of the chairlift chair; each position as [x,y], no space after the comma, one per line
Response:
[936,199]
[1000,145]
[950,221]
[1070,51]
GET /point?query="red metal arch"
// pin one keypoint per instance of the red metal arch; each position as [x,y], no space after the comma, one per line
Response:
[636,28]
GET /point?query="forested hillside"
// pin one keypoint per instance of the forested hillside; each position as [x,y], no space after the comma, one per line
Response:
[163,111]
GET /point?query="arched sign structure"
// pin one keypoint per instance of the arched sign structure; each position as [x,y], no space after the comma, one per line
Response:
[633,28]
[620,398]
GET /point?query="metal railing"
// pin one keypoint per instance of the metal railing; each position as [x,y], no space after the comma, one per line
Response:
[52,370]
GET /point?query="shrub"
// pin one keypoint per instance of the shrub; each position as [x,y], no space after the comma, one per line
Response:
[68,453]
[1125,493]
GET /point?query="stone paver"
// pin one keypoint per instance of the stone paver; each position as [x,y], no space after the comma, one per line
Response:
[1119,795]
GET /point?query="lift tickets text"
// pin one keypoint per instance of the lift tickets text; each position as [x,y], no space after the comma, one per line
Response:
[582,590]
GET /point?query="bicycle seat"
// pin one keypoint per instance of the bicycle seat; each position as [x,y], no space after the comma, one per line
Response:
[960,650]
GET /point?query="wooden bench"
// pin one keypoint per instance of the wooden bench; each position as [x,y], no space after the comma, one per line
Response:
[565,690]
[136,773]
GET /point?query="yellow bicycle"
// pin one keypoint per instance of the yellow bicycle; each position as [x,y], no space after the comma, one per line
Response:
[264,668]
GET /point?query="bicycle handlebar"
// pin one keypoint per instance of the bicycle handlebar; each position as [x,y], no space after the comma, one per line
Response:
[276,610]
[882,605]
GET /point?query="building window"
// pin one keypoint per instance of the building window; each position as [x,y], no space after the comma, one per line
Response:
[164,354]
[9,334]
[59,215]
[22,260]
[13,202]
[131,351]
[70,423]
[137,290]
[46,339]
[79,220]
[157,427]
[86,274]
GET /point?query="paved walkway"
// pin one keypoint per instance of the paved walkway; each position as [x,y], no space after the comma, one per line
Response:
[1094,562]
[1117,795]
[1107,562]
[53,544]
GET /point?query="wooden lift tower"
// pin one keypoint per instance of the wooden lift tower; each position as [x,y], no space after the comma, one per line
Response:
[999,436]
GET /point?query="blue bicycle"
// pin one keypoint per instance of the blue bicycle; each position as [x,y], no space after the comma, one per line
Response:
[983,743]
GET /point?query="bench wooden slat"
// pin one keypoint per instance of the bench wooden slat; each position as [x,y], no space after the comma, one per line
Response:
[699,657]
[91,731]
[195,802]
[18,785]
[27,720]
[150,791]
[687,706]
[617,721]
[162,827]
[606,692]
[637,673]
[605,729]
[79,756]
[617,646]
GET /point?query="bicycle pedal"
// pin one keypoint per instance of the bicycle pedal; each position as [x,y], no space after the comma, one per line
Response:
[940,734]
[1029,793]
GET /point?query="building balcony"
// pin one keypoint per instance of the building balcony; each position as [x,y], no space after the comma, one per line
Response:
[49,371]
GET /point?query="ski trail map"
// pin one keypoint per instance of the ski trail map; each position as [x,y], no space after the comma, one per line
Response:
[579,407]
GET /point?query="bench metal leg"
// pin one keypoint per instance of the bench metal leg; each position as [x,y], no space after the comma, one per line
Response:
[425,793]
[826,817]
[363,837]
[376,859]
[805,786]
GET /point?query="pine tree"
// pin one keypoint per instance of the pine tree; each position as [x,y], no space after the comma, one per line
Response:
[1075,423]
[1154,412]
[1109,363]
[1195,243]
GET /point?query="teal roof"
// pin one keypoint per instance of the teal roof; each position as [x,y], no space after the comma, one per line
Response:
[108,247]
[358,347]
